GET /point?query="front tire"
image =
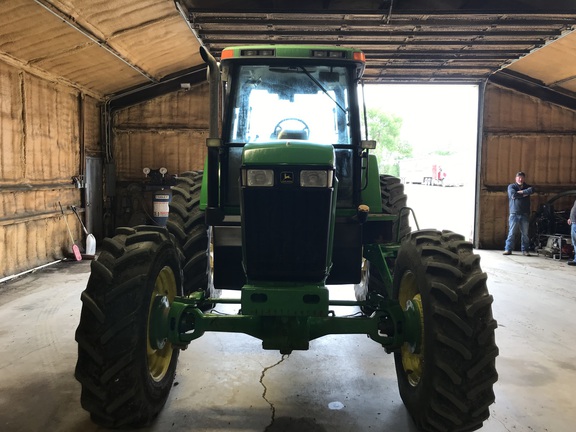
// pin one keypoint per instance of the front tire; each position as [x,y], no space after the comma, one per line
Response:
[446,379]
[125,381]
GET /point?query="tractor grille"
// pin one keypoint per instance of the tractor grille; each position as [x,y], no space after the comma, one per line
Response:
[286,232]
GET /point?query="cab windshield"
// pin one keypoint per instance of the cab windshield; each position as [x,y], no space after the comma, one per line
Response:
[290,102]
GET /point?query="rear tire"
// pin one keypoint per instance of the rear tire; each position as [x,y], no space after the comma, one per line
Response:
[446,381]
[393,199]
[186,223]
[125,382]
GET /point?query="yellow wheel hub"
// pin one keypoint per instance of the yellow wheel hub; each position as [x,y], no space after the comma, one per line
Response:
[412,355]
[159,359]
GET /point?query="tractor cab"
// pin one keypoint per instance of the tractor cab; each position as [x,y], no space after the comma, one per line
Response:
[290,165]
[279,94]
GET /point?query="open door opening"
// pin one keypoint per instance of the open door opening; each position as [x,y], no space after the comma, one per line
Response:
[428,136]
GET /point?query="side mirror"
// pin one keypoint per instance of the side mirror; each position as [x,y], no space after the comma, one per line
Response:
[368,144]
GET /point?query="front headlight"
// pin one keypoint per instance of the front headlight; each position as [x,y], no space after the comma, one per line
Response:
[259,178]
[316,178]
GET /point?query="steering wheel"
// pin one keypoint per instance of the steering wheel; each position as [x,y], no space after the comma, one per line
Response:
[278,128]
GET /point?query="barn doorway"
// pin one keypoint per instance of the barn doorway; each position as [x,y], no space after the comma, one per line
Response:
[439,124]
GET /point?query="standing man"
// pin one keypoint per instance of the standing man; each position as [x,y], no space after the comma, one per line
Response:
[572,223]
[519,203]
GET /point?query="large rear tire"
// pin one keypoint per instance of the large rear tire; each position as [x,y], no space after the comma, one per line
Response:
[446,379]
[125,380]
[186,223]
[393,200]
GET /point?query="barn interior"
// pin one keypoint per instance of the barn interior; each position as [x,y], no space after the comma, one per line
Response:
[92,93]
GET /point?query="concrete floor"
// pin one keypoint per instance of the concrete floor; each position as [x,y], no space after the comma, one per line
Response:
[343,383]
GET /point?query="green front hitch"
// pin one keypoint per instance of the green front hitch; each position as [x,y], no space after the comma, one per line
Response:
[284,329]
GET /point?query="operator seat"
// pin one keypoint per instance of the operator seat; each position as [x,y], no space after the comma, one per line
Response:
[300,134]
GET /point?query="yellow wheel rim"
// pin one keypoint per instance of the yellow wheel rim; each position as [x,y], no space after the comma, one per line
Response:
[159,359]
[412,360]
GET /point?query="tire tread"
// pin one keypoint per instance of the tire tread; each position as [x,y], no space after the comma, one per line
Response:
[460,350]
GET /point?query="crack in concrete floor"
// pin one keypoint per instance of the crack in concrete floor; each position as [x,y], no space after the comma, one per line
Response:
[262,376]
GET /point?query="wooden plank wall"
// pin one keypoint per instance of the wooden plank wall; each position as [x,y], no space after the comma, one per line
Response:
[39,154]
[169,131]
[522,133]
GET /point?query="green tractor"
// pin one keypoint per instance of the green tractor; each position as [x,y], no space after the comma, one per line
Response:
[290,200]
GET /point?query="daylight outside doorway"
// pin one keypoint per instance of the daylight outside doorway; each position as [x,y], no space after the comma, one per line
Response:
[435,149]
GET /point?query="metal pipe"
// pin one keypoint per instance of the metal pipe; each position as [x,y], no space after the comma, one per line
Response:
[214,81]
[12,220]
[82,141]
[213,213]
[185,14]
[66,19]
[7,278]
[478,185]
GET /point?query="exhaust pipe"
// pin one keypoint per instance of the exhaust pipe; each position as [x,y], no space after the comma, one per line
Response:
[213,213]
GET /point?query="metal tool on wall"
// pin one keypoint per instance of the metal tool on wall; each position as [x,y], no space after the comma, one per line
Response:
[75,249]
[90,239]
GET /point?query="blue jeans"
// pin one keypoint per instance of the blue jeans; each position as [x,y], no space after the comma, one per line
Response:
[573,235]
[515,221]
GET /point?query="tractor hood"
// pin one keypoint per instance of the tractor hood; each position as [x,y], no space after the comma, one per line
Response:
[287,152]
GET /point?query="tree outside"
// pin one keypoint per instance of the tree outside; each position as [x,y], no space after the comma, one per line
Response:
[385,129]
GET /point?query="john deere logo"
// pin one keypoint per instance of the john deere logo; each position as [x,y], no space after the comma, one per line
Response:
[286,177]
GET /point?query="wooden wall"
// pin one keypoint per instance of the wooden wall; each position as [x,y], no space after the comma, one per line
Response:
[39,154]
[522,133]
[169,131]
[40,150]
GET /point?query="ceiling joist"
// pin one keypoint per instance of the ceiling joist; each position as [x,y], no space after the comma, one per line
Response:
[400,47]
[114,48]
